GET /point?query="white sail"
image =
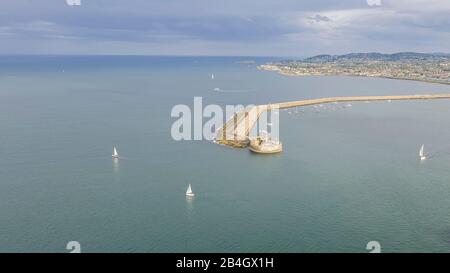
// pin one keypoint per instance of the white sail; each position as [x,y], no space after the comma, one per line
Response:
[115,153]
[212,76]
[189,191]
[421,154]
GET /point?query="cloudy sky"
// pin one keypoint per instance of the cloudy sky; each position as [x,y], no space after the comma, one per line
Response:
[223,27]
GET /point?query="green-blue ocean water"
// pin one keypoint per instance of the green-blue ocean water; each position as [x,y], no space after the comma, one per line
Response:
[345,177]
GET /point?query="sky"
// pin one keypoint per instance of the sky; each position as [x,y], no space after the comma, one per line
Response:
[295,28]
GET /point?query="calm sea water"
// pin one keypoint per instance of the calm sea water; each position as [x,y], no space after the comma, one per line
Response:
[345,177]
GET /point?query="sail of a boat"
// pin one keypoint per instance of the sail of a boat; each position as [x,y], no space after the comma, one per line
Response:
[421,154]
[115,153]
[189,191]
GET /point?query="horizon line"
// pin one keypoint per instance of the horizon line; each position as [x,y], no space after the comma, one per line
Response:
[205,56]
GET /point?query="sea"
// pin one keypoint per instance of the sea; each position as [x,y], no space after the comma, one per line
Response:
[347,175]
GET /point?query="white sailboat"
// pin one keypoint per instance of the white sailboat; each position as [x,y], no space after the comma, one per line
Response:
[115,154]
[212,76]
[189,191]
[421,153]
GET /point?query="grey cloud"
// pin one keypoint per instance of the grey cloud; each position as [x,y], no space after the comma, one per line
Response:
[319,18]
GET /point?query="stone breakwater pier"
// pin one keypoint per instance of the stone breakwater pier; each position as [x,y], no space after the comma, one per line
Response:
[235,131]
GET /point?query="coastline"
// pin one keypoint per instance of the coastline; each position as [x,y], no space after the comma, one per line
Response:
[429,68]
[270,68]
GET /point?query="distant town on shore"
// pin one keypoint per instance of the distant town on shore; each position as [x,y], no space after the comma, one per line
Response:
[427,67]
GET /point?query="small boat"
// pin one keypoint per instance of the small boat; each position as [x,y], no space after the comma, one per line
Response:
[212,76]
[422,154]
[189,191]
[115,154]
[217,89]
